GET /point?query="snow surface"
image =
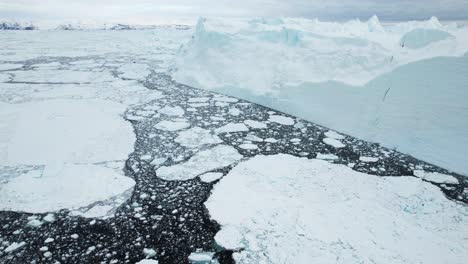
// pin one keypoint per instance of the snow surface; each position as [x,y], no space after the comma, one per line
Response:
[204,161]
[402,85]
[312,211]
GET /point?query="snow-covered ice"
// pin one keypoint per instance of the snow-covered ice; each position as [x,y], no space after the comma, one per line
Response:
[197,137]
[255,124]
[368,159]
[203,161]
[211,176]
[283,120]
[62,186]
[148,261]
[172,111]
[333,142]
[297,215]
[173,125]
[232,127]
[435,177]
[134,71]
[365,79]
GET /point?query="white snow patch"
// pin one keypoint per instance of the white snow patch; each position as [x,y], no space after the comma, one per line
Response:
[435,177]
[283,120]
[296,216]
[203,161]
[197,137]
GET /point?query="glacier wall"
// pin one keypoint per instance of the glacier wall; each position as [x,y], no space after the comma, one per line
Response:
[402,85]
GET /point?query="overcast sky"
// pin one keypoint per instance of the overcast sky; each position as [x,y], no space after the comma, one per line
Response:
[152,11]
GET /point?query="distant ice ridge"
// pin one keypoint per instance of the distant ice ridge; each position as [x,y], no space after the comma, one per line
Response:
[399,84]
[16,25]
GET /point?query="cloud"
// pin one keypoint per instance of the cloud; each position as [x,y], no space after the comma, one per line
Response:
[140,11]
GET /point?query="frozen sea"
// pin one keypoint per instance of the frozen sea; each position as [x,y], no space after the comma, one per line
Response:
[105,157]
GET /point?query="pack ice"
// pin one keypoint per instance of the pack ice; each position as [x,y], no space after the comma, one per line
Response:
[402,85]
[285,209]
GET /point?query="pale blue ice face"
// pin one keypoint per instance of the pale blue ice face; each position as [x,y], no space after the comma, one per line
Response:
[147,10]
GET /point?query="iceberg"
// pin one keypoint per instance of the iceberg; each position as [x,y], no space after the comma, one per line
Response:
[401,85]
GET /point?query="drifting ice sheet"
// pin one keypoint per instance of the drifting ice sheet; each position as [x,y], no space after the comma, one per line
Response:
[63,137]
[311,211]
[204,161]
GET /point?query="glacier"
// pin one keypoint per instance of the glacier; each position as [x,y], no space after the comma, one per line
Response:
[401,84]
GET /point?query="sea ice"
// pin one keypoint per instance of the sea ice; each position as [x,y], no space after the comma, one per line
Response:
[297,215]
[203,161]
[197,137]
[333,142]
[134,71]
[435,177]
[172,111]
[175,125]
[64,186]
[255,124]
[211,176]
[232,127]
[283,120]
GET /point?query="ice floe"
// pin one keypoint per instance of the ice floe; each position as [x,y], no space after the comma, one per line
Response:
[197,137]
[173,125]
[232,127]
[296,216]
[435,177]
[211,176]
[255,124]
[333,142]
[283,120]
[203,161]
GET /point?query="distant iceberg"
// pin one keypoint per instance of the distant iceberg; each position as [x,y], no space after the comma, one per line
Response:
[402,84]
